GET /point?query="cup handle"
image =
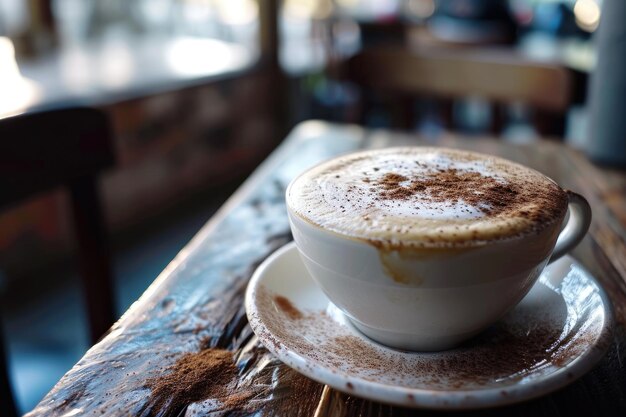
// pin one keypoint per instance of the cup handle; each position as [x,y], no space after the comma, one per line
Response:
[579,213]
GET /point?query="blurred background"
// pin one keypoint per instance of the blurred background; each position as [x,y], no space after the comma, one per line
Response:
[199,92]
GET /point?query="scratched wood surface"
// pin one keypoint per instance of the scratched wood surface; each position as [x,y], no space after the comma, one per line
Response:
[198,298]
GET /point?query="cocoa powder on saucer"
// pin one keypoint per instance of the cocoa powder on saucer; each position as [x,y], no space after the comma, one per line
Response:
[507,352]
[287,307]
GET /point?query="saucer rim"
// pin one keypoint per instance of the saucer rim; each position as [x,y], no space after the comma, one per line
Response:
[438,399]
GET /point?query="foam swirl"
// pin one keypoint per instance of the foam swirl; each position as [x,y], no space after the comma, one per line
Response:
[426,197]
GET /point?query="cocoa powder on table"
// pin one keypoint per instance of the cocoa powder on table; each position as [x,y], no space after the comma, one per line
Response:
[208,374]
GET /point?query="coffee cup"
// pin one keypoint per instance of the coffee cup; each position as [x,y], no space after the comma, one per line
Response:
[423,248]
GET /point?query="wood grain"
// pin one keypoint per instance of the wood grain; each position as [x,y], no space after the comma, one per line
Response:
[199,297]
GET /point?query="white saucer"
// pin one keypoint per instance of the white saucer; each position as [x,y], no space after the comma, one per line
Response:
[556,334]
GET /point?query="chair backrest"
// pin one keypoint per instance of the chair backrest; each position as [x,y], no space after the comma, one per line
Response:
[39,151]
[498,76]
[68,147]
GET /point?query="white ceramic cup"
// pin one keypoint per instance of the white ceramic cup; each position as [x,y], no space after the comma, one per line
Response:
[440,297]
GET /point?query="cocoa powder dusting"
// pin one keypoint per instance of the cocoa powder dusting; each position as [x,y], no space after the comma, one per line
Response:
[208,374]
[485,193]
[523,344]
[71,399]
[494,355]
[287,307]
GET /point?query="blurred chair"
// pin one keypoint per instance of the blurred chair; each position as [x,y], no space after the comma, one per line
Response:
[7,404]
[469,23]
[69,148]
[500,77]
[375,33]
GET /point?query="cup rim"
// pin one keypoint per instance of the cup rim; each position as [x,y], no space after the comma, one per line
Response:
[415,245]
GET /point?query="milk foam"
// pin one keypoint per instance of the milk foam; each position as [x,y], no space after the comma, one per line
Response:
[346,195]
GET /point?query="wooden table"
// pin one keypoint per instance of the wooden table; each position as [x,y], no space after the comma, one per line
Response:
[197,301]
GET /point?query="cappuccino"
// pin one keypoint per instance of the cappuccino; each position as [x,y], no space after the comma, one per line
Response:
[422,248]
[426,197]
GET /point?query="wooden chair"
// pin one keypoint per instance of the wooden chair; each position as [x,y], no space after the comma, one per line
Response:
[501,77]
[68,148]
[7,404]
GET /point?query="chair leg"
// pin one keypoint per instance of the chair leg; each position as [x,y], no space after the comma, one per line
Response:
[447,113]
[7,403]
[94,255]
[550,124]
[497,118]
[403,113]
